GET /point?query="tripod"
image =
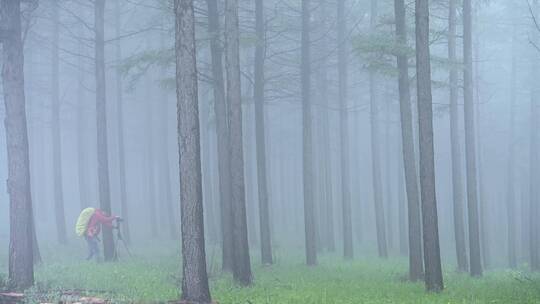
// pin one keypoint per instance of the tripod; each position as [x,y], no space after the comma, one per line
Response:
[120,239]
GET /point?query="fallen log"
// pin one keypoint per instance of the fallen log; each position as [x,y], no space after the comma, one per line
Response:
[11,298]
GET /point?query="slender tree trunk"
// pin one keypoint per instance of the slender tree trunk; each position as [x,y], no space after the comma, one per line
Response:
[55,128]
[82,155]
[194,279]
[402,209]
[165,174]
[482,202]
[416,269]
[150,163]
[101,121]
[242,263]
[165,168]
[375,150]
[511,196]
[348,248]
[264,216]
[35,244]
[432,254]
[223,136]
[387,175]
[533,154]
[470,149]
[457,184]
[120,125]
[328,198]
[309,204]
[21,266]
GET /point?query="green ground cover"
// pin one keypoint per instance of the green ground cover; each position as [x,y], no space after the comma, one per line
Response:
[156,278]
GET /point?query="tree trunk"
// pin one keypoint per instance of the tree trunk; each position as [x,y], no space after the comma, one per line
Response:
[402,209]
[21,266]
[101,121]
[432,254]
[242,264]
[82,154]
[55,129]
[482,202]
[472,195]
[258,87]
[348,248]
[328,198]
[511,196]
[194,276]
[223,136]
[309,204]
[457,184]
[416,268]
[388,180]
[533,154]
[150,162]
[375,150]
[120,126]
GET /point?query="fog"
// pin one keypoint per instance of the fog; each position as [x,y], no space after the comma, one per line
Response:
[142,126]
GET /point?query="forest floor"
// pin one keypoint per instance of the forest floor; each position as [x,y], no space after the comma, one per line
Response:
[157,279]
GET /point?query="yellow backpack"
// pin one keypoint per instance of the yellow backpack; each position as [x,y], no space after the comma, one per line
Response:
[82,221]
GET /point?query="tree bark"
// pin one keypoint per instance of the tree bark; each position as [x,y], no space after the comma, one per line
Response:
[388,180]
[457,184]
[375,150]
[416,269]
[348,248]
[432,254]
[120,125]
[534,195]
[101,122]
[309,204]
[402,209]
[21,266]
[470,149]
[510,194]
[55,129]
[242,264]
[82,154]
[223,136]
[327,207]
[258,88]
[150,162]
[194,279]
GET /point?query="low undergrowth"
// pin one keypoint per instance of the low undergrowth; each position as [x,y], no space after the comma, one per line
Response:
[157,279]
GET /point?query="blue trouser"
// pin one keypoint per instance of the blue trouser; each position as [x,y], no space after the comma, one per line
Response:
[93,247]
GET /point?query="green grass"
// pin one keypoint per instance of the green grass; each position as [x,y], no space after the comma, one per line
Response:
[333,281]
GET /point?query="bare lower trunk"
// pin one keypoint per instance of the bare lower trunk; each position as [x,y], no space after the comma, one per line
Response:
[194,277]
[416,268]
[223,136]
[457,184]
[101,121]
[264,216]
[470,149]
[375,151]
[55,129]
[511,200]
[309,203]
[21,266]
[348,248]
[120,126]
[82,155]
[242,263]
[432,254]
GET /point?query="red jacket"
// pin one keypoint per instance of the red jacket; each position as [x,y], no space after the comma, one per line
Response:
[98,218]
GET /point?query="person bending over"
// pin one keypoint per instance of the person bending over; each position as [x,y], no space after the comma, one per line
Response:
[89,225]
